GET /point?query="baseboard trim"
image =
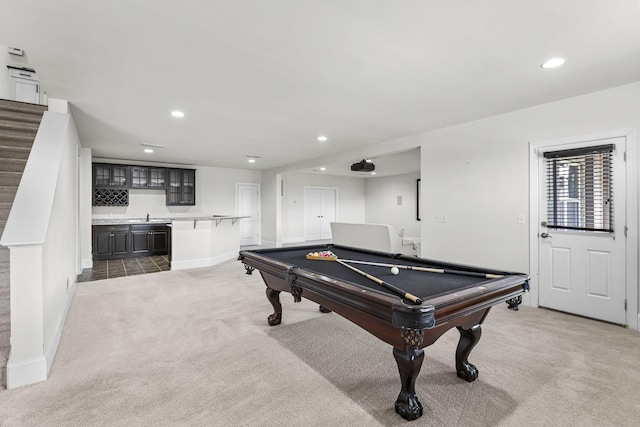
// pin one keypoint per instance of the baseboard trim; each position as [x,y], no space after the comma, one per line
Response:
[203,262]
[25,372]
[527,301]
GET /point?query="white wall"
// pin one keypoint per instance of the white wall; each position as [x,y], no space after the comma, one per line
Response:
[381,202]
[271,207]
[4,72]
[215,194]
[350,203]
[478,175]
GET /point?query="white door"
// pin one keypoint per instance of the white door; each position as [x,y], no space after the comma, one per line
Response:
[319,212]
[248,205]
[581,270]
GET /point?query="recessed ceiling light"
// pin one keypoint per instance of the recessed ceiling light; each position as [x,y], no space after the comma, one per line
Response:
[148,150]
[252,160]
[177,113]
[553,63]
[322,138]
[373,173]
[323,169]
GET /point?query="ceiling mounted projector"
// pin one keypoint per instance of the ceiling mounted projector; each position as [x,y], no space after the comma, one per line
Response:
[363,166]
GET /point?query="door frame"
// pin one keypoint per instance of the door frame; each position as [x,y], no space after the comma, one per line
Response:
[259,205]
[631,214]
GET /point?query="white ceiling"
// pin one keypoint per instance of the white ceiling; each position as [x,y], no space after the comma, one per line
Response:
[265,78]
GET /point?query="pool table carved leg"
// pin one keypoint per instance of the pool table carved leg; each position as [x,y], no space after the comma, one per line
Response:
[274,298]
[468,339]
[409,363]
[248,269]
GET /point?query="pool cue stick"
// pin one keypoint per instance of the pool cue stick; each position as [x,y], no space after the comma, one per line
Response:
[389,286]
[428,269]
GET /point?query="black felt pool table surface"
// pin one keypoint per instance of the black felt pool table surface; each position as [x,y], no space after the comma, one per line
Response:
[422,284]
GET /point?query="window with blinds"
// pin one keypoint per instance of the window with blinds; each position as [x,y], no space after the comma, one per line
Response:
[579,189]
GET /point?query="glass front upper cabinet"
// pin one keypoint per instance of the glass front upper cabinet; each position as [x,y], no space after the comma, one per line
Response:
[110,176]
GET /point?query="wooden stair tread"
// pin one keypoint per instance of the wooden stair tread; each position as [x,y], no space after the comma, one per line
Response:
[22,107]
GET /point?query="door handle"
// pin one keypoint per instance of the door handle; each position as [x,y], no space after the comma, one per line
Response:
[545,235]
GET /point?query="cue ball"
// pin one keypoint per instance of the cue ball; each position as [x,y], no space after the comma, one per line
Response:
[394,270]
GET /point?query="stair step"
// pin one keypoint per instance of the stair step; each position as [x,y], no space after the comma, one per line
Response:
[17,138]
[22,107]
[4,287]
[9,178]
[18,127]
[22,142]
[14,152]
[4,211]
[4,256]
[12,165]
[17,134]
[33,119]
[8,193]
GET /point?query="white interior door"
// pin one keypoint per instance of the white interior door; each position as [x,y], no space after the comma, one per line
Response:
[328,212]
[582,271]
[319,211]
[248,204]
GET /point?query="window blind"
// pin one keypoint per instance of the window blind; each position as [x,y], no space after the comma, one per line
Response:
[579,189]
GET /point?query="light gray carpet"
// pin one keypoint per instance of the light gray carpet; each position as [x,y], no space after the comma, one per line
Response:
[193,348]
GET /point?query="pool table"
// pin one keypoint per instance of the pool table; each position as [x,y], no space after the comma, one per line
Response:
[455,296]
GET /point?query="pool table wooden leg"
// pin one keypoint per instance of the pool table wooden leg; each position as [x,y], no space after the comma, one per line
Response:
[274,298]
[468,339]
[409,363]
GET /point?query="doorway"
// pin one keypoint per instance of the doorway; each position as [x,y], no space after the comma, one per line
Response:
[319,211]
[248,206]
[583,234]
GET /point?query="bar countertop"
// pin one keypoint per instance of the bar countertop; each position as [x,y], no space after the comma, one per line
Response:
[165,220]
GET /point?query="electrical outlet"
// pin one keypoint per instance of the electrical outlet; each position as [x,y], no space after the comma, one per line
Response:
[521,219]
[441,217]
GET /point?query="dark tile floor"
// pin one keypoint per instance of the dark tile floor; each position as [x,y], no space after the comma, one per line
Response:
[111,268]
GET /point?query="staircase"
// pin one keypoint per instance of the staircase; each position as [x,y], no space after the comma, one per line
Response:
[18,126]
